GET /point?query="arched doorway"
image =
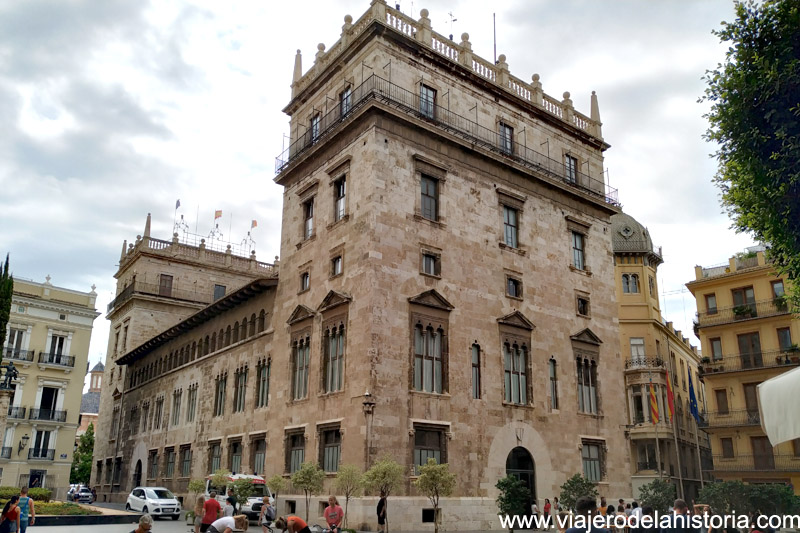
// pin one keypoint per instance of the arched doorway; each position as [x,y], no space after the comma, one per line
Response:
[520,465]
[137,474]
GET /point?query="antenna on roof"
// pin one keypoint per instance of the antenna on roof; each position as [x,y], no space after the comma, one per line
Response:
[452,20]
[494,32]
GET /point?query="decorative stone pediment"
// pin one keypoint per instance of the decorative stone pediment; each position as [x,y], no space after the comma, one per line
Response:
[117,394]
[516,320]
[300,313]
[433,299]
[587,336]
[333,299]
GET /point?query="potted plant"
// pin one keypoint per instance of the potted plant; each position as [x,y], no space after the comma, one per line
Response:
[705,363]
[793,352]
[742,311]
[781,303]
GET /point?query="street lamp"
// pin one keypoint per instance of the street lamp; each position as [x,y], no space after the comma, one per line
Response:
[369,408]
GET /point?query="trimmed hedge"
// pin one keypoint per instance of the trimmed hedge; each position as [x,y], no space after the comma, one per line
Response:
[37,494]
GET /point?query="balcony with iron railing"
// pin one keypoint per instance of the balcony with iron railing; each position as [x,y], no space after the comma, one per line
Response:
[16,412]
[51,415]
[18,355]
[5,452]
[56,359]
[757,463]
[723,419]
[750,361]
[41,454]
[378,90]
[647,465]
[644,363]
[726,315]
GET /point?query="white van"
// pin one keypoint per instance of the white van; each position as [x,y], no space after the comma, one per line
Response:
[252,507]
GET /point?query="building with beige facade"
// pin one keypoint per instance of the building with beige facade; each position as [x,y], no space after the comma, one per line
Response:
[671,449]
[446,291]
[48,342]
[749,335]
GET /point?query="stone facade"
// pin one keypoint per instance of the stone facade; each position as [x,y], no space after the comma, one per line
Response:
[48,336]
[426,260]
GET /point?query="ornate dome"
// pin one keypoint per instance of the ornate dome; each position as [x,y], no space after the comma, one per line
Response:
[627,235]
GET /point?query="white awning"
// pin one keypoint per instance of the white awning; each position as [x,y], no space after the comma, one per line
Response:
[777,402]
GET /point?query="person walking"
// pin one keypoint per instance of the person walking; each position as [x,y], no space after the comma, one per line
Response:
[334,515]
[211,511]
[229,524]
[228,510]
[234,502]
[587,506]
[27,512]
[9,520]
[292,524]
[145,524]
[198,512]
[556,505]
[381,510]
[267,515]
[547,508]
[534,513]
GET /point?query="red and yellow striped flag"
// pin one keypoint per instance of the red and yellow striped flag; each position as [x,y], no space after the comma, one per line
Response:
[217,214]
[653,405]
[670,399]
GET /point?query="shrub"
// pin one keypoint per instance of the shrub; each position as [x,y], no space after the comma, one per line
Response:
[37,494]
[574,488]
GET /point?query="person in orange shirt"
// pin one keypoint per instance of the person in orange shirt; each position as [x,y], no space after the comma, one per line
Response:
[292,524]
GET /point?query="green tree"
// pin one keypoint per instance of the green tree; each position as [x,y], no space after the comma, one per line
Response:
[728,496]
[658,494]
[309,479]
[6,291]
[755,119]
[242,489]
[435,481]
[384,477]
[574,488]
[514,497]
[348,482]
[81,471]
[220,479]
[276,485]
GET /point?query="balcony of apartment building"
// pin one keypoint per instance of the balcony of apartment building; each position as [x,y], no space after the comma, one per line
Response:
[48,415]
[16,412]
[17,354]
[747,310]
[757,463]
[5,452]
[41,454]
[645,363]
[56,360]
[729,419]
[755,360]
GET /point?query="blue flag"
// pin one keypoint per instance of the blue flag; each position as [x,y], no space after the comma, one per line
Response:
[693,399]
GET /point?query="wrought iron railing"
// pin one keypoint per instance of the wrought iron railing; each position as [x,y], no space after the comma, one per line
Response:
[5,452]
[17,354]
[42,454]
[646,465]
[749,361]
[757,463]
[152,289]
[739,417]
[724,315]
[644,362]
[16,412]
[378,89]
[48,414]
[56,359]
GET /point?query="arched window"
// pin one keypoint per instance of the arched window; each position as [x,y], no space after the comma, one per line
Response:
[252,325]
[625,283]
[236,331]
[428,348]
[300,359]
[551,367]
[244,328]
[228,336]
[262,321]
[333,358]
[634,283]
[213,342]
[515,357]
[587,386]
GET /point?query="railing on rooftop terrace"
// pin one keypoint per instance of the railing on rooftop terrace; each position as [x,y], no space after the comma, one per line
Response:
[724,315]
[635,245]
[380,90]
[713,271]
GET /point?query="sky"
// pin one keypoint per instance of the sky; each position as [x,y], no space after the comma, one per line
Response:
[112,109]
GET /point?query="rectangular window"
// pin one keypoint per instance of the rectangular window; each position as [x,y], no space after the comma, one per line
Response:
[339,193]
[333,359]
[165,285]
[716,348]
[191,402]
[583,306]
[637,347]
[430,198]
[427,101]
[331,450]
[784,339]
[219,292]
[263,372]
[305,281]
[571,168]
[428,444]
[313,127]
[553,384]
[516,373]
[345,101]
[722,401]
[14,343]
[301,351]
[777,289]
[587,386]
[711,304]
[57,344]
[727,447]
[506,138]
[170,469]
[510,226]
[153,471]
[431,264]
[239,390]
[476,371]
[336,266]
[259,456]
[652,282]
[158,413]
[513,287]
[590,453]
[186,462]
[297,452]
[177,396]
[215,459]
[795,446]
[220,386]
[428,358]
[578,259]
[308,219]
[236,457]
[145,416]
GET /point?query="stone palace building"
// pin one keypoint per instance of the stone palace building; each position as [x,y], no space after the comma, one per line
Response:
[446,290]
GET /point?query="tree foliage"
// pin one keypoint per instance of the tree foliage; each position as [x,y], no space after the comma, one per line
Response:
[755,119]
[81,471]
[6,291]
[574,488]
[242,489]
[769,499]
[658,494]
[514,497]
[276,485]
[348,483]
[309,479]
[195,487]
[434,481]
[220,479]
[384,476]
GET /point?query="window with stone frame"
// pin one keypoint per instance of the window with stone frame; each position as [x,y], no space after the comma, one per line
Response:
[169,467]
[301,354]
[430,442]
[177,397]
[235,456]
[191,402]
[330,447]
[259,447]
[117,470]
[510,226]
[214,457]
[158,412]
[220,388]
[109,471]
[305,281]
[336,266]
[727,447]
[145,416]
[427,101]
[429,190]
[515,368]
[593,457]
[583,305]
[152,462]
[476,371]
[295,443]
[552,369]
[513,287]
[571,168]
[186,461]
[432,177]
[333,350]
[263,371]
[429,356]
[345,101]
[308,218]
[239,389]
[506,138]
[430,262]
[313,126]
[99,472]
[587,385]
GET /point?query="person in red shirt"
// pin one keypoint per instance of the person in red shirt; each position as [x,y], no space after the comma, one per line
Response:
[334,515]
[211,511]
[292,524]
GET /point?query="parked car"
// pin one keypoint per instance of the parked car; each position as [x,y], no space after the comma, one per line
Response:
[71,493]
[83,495]
[156,501]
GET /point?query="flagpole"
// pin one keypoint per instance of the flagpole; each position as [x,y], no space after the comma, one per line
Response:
[699,461]
[655,421]
[675,429]
[697,428]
